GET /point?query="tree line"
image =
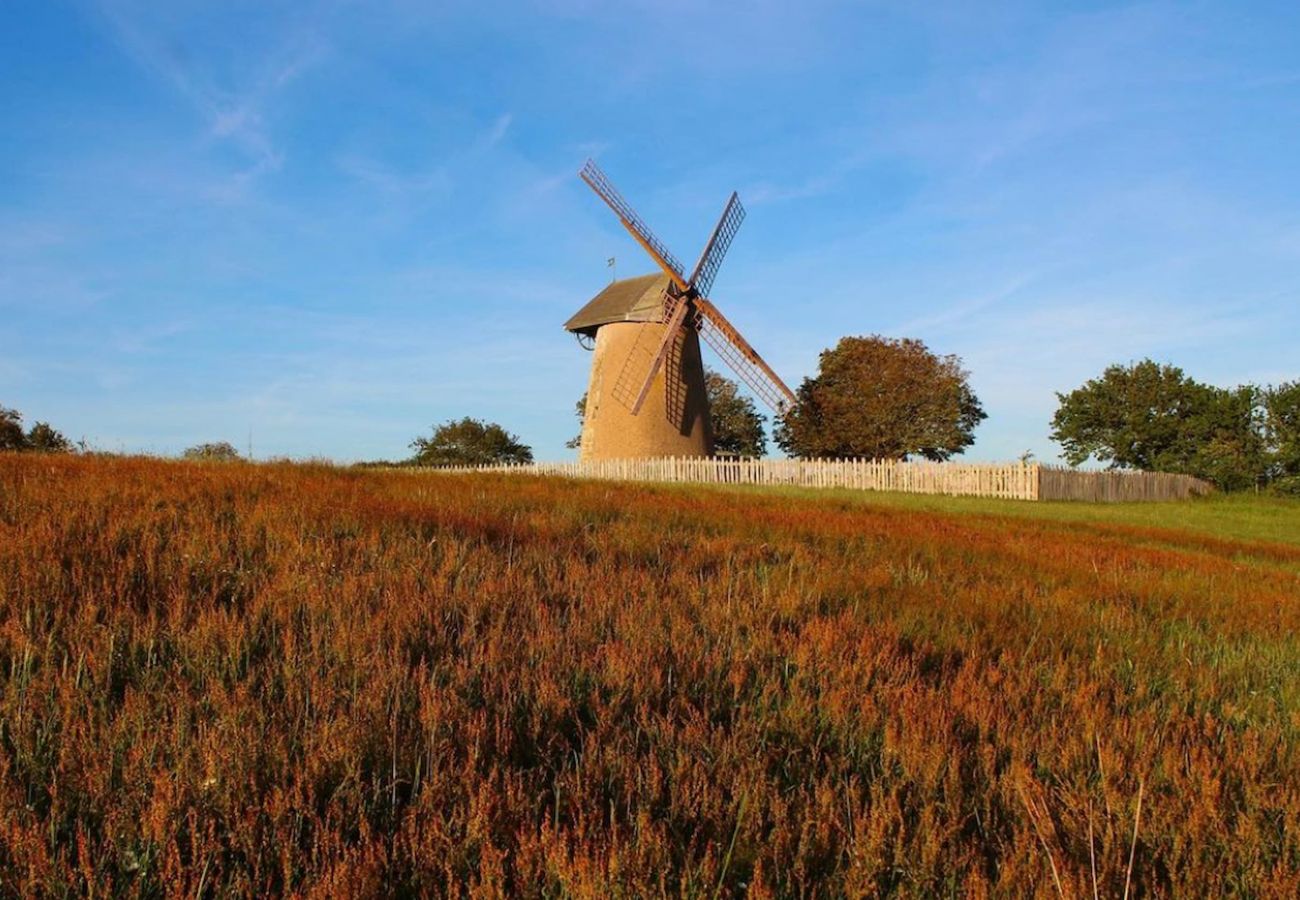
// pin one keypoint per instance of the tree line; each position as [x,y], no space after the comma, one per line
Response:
[1154,417]
[893,398]
[45,438]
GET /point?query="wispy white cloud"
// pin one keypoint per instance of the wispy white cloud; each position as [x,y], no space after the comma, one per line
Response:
[764,192]
[234,111]
[497,133]
[830,173]
[390,180]
[397,182]
[141,339]
[962,310]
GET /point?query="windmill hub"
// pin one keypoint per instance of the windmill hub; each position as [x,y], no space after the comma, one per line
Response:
[646,396]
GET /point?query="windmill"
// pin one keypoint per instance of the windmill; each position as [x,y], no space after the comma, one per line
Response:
[646,396]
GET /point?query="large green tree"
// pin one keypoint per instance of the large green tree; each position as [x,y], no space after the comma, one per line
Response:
[1154,417]
[1136,417]
[469,442]
[882,398]
[736,423]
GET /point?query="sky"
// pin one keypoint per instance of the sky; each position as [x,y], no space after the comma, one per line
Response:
[329,226]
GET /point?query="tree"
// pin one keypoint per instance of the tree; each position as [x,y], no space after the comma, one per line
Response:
[469,442]
[1132,417]
[220,451]
[44,439]
[580,411]
[11,430]
[1282,430]
[40,439]
[1155,418]
[1232,448]
[1282,427]
[882,398]
[737,424]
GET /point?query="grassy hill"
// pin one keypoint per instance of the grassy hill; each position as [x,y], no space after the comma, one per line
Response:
[219,678]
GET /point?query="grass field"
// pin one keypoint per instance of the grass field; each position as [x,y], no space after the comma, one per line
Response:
[1242,517]
[244,680]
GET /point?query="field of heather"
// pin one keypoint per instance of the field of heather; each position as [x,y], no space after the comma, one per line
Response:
[244,680]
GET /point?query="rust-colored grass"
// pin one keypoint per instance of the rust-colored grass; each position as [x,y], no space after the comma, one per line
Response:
[262,679]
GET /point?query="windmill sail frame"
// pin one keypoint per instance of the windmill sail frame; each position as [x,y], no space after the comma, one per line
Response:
[685,305]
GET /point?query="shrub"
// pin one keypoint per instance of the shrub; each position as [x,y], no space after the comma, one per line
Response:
[220,451]
[470,442]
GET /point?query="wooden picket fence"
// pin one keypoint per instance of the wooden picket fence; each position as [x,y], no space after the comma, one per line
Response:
[1011,481]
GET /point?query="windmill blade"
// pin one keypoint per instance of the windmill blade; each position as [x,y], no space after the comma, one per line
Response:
[627,383]
[706,269]
[645,355]
[601,184]
[743,359]
[675,316]
[675,384]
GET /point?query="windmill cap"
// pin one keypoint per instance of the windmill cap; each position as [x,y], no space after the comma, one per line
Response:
[637,299]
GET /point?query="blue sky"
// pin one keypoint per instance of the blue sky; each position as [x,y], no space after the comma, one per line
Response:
[337,223]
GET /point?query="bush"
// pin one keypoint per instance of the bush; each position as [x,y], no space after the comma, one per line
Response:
[1286,486]
[470,442]
[42,438]
[221,451]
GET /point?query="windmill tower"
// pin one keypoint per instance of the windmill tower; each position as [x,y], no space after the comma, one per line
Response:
[646,396]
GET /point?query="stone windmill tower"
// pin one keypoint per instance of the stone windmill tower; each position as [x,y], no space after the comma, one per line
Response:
[646,396]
